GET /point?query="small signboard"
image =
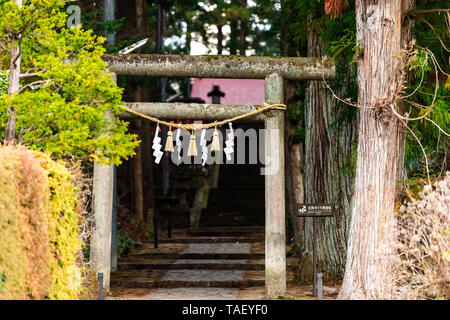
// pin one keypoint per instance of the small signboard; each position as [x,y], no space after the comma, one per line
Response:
[315,210]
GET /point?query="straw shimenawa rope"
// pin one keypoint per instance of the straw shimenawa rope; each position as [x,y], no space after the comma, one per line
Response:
[196,126]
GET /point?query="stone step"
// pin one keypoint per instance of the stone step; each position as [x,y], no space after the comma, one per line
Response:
[251,279]
[236,212]
[232,204]
[253,188]
[200,256]
[220,229]
[243,173]
[144,283]
[234,195]
[238,191]
[226,205]
[213,265]
[225,233]
[242,213]
[209,240]
[240,168]
[189,266]
[236,221]
[230,223]
[235,201]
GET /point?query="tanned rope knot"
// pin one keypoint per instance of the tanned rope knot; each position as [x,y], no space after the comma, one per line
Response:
[198,126]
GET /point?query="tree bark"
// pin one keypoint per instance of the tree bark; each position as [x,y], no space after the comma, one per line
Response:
[295,191]
[406,37]
[219,39]
[140,15]
[14,81]
[285,42]
[137,177]
[368,272]
[234,35]
[327,148]
[243,31]
[145,146]
[138,96]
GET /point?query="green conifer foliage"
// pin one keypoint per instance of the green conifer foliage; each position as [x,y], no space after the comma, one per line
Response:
[62,107]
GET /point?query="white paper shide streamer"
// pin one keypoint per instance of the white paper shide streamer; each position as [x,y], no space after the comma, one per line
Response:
[157,153]
[229,149]
[178,144]
[204,147]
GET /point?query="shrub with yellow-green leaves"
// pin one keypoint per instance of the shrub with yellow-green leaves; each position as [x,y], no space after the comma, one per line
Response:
[63,230]
[39,228]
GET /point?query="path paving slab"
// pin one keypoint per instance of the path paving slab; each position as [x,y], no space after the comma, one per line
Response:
[194,239]
[196,255]
[193,294]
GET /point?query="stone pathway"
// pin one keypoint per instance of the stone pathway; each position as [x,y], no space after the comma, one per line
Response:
[193,294]
[202,275]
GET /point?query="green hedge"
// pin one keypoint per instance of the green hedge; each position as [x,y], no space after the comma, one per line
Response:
[39,228]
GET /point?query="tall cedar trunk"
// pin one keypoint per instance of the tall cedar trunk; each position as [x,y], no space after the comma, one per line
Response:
[369,265]
[284,41]
[137,177]
[234,35]
[145,146]
[406,37]
[147,172]
[243,32]
[188,38]
[137,160]
[14,81]
[219,39]
[327,148]
[295,192]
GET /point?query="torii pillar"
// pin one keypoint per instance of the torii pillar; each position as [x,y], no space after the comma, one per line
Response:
[275,235]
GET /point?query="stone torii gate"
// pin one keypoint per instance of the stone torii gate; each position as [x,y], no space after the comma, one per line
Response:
[274,70]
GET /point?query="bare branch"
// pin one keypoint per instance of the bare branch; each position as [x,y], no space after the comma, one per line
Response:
[406,118]
[436,62]
[34,85]
[429,94]
[2,46]
[429,11]
[437,35]
[421,147]
[346,101]
[421,79]
[22,132]
[34,74]
[440,129]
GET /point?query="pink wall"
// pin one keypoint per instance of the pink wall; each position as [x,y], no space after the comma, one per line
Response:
[237,91]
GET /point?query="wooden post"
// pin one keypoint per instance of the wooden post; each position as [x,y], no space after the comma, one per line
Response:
[275,238]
